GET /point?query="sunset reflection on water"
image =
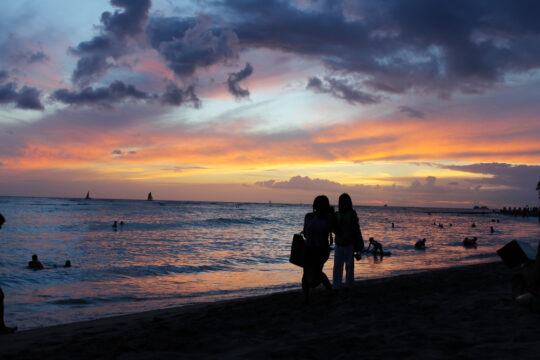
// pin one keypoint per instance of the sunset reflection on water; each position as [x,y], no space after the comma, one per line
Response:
[175,253]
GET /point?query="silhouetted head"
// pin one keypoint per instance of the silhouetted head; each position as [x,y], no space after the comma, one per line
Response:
[321,204]
[67,264]
[34,257]
[345,203]
[2,220]
[371,240]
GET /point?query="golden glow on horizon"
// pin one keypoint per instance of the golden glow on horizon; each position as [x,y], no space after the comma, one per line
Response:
[361,152]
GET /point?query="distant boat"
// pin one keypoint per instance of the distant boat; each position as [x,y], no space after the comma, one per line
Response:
[150,197]
[88,196]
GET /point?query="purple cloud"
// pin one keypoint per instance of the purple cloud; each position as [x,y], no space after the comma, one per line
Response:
[117,29]
[409,111]
[396,46]
[235,78]
[27,98]
[341,90]
[103,96]
[187,44]
[176,96]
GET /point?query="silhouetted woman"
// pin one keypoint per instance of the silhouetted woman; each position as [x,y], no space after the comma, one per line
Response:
[347,230]
[317,228]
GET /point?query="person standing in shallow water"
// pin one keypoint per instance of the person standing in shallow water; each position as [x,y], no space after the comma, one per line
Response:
[346,230]
[317,229]
[3,328]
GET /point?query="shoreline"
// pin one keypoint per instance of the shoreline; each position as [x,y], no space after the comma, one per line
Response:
[464,312]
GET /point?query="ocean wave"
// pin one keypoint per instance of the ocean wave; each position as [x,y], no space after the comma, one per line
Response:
[71,302]
[217,222]
[156,270]
[481,256]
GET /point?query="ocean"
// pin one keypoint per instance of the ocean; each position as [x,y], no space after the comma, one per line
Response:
[173,253]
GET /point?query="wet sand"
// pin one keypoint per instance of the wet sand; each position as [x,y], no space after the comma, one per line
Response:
[464,312]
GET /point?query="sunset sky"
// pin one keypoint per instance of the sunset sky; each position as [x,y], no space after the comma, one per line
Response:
[405,103]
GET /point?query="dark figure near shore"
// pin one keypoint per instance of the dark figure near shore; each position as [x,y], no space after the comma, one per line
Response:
[35,264]
[420,244]
[3,328]
[470,242]
[377,247]
[473,225]
[317,227]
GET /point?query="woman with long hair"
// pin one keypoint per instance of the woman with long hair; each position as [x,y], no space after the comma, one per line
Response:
[347,230]
[317,229]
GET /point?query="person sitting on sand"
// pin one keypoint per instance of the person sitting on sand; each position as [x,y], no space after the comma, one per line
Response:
[420,244]
[35,264]
[317,227]
[376,247]
[3,328]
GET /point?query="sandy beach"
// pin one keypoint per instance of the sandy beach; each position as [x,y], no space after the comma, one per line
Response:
[464,312]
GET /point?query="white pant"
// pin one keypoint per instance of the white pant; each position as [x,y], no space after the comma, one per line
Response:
[343,255]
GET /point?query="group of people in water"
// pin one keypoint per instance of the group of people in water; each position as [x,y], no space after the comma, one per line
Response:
[115,225]
[35,264]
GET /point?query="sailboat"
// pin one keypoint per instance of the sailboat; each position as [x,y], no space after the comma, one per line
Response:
[150,196]
[88,196]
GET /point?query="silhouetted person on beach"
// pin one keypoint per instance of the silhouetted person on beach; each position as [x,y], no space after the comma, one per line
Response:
[35,264]
[3,328]
[317,227]
[347,231]
[377,247]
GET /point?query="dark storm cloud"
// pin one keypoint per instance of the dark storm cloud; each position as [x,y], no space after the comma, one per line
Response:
[187,44]
[176,96]
[341,90]
[128,23]
[409,111]
[27,98]
[235,78]
[103,96]
[398,45]
[118,28]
